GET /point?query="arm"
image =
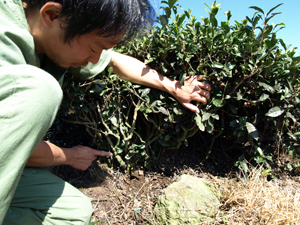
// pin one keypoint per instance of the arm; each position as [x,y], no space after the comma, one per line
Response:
[48,154]
[136,71]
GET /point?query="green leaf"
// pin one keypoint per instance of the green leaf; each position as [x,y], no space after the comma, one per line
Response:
[145,92]
[163,20]
[259,150]
[171,3]
[180,20]
[257,9]
[274,8]
[192,49]
[283,44]
[215,116]
[146,61]
[275,112]
[209,126]
[167,137]
[217,102]
[289,115]
[217,65]
[244,166]
[199,123]
[263,97]
[182,78]
[228,14]
[206,116]
[114,121]
[267,87]
[213,20]
[252,130]
[164,111]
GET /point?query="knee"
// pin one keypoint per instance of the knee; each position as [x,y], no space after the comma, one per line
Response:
[86,210]
[79,208]
[37,91]
[30,97]
[43,95]
[43,87]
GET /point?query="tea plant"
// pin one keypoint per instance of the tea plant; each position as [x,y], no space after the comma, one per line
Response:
[254,103]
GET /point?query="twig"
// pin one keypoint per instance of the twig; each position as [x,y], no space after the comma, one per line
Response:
[132,199]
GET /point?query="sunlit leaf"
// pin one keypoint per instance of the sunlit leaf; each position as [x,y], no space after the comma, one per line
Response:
[267,87]
[244,166]
[259,150]
[199,123]
[206,116]
[163,111]
[217,65]
[145,92]
[217,102]
[275,112]
[114,120]
[252,130]
[263,97]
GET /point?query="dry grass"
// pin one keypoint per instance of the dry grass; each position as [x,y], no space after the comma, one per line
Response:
[255,200]
[251,200]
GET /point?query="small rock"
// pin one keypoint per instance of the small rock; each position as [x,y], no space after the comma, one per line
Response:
[188,201]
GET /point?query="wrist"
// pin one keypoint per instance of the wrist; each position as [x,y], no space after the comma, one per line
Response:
[169,85]
[69,156]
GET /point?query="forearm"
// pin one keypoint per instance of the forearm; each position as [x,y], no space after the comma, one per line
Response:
[48,154]
[79,157]
[137,72]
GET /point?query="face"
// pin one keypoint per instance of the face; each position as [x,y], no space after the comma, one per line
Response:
[78,51]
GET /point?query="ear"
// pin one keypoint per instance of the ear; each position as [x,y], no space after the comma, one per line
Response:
[49,13]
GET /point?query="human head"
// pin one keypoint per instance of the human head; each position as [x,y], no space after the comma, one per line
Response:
[109,17]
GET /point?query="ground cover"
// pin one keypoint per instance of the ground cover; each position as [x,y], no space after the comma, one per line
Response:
[263,197]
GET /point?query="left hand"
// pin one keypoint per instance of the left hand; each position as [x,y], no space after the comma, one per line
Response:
[192,90]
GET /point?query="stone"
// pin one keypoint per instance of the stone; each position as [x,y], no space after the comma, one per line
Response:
[190,200]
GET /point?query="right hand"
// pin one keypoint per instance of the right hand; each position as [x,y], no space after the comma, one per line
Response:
[83,156]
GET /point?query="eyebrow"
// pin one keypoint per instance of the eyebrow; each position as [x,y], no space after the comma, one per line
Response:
[113,43]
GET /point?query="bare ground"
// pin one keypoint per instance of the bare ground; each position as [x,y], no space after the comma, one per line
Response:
[120,198]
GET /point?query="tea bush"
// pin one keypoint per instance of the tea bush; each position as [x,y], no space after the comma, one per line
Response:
[254,103]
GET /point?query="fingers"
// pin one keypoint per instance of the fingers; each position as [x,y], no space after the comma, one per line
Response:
[194,80]
[191,107]
[92,151]
[102,153]
[199,98]
[204,86]
[202,92]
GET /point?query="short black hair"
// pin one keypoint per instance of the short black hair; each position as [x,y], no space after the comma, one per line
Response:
[109,17]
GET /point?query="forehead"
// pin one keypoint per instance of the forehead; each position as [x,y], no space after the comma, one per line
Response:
[96,39]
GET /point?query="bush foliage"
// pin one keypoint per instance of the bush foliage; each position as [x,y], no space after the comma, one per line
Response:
[254,103]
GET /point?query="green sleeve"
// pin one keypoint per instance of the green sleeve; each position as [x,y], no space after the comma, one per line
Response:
[91,70]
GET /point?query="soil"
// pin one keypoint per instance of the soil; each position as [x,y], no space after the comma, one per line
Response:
[121,198]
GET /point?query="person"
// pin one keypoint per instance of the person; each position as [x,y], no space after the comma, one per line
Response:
[40,41]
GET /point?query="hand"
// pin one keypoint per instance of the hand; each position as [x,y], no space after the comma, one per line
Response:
[192,90]
[83,156]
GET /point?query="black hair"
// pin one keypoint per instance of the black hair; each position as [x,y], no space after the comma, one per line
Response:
[109,17]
